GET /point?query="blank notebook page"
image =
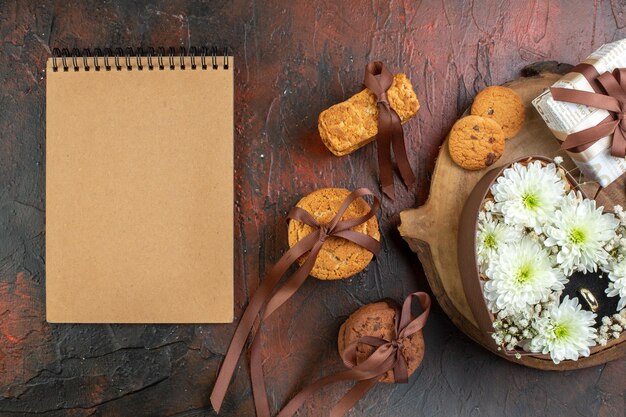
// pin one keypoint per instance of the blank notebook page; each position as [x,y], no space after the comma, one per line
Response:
[139,194]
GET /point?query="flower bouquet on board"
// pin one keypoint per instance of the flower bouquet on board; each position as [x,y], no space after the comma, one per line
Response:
[548,273]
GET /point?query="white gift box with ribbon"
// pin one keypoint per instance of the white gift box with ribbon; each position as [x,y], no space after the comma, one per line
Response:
[595,162]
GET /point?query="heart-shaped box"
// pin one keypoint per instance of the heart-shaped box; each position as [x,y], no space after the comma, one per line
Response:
[472,280]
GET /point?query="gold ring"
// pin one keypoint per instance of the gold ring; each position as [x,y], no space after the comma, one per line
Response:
[589,298]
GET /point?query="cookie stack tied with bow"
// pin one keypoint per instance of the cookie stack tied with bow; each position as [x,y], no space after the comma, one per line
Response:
[380,342]
[586,111]
[377,112]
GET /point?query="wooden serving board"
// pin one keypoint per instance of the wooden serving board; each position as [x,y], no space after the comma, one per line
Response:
[431,230]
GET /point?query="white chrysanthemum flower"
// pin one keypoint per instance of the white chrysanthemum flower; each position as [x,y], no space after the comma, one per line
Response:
[528,195]
[520,276]
[566,333]
[581,231]
[491,235]
[617,286]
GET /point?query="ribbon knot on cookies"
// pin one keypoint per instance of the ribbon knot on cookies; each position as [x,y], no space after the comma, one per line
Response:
[396,343]
[324,232]
[382,99]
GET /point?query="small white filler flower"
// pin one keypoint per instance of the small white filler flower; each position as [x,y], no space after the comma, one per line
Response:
[491,235]
[566,333]
[528,195]
[520,276]
[617,286]
[581,231]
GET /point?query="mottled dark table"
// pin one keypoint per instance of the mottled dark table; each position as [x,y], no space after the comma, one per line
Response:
[293,59]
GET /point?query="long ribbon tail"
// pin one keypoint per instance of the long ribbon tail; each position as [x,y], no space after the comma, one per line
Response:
[293,283]
[360,239]
[353,396]
[371,368]
[259,391]
[378,80]
[385,166]
[399,151]
[298,400]
[618,146]
[247,321]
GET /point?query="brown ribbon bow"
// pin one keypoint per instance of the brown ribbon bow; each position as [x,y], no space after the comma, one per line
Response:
[259,310]
[390,134]
[388,355]
[613,100]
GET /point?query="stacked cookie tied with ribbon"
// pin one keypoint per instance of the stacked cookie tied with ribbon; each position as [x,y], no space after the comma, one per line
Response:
[376,113]
[380,342]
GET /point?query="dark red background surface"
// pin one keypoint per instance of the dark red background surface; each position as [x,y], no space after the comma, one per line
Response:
[293,59]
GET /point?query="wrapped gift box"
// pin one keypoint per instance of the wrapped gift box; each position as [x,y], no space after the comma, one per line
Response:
[563,118]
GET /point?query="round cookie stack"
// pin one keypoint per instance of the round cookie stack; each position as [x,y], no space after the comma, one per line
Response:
[377,320]
[477,141]
[338,258]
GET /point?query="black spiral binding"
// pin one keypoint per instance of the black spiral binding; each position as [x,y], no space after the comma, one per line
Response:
[123,59]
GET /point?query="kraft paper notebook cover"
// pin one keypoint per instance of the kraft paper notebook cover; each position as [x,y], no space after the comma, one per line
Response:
[139,188]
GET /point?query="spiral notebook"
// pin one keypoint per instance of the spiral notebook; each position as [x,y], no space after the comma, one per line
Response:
[139,186]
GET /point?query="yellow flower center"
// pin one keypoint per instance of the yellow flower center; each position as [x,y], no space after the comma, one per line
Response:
[523,274]
[490,241]
[577,236]
[530,201]
[561,331]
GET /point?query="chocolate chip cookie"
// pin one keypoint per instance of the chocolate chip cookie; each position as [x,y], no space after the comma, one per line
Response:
[377,320]
[503,105]
[476,142]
